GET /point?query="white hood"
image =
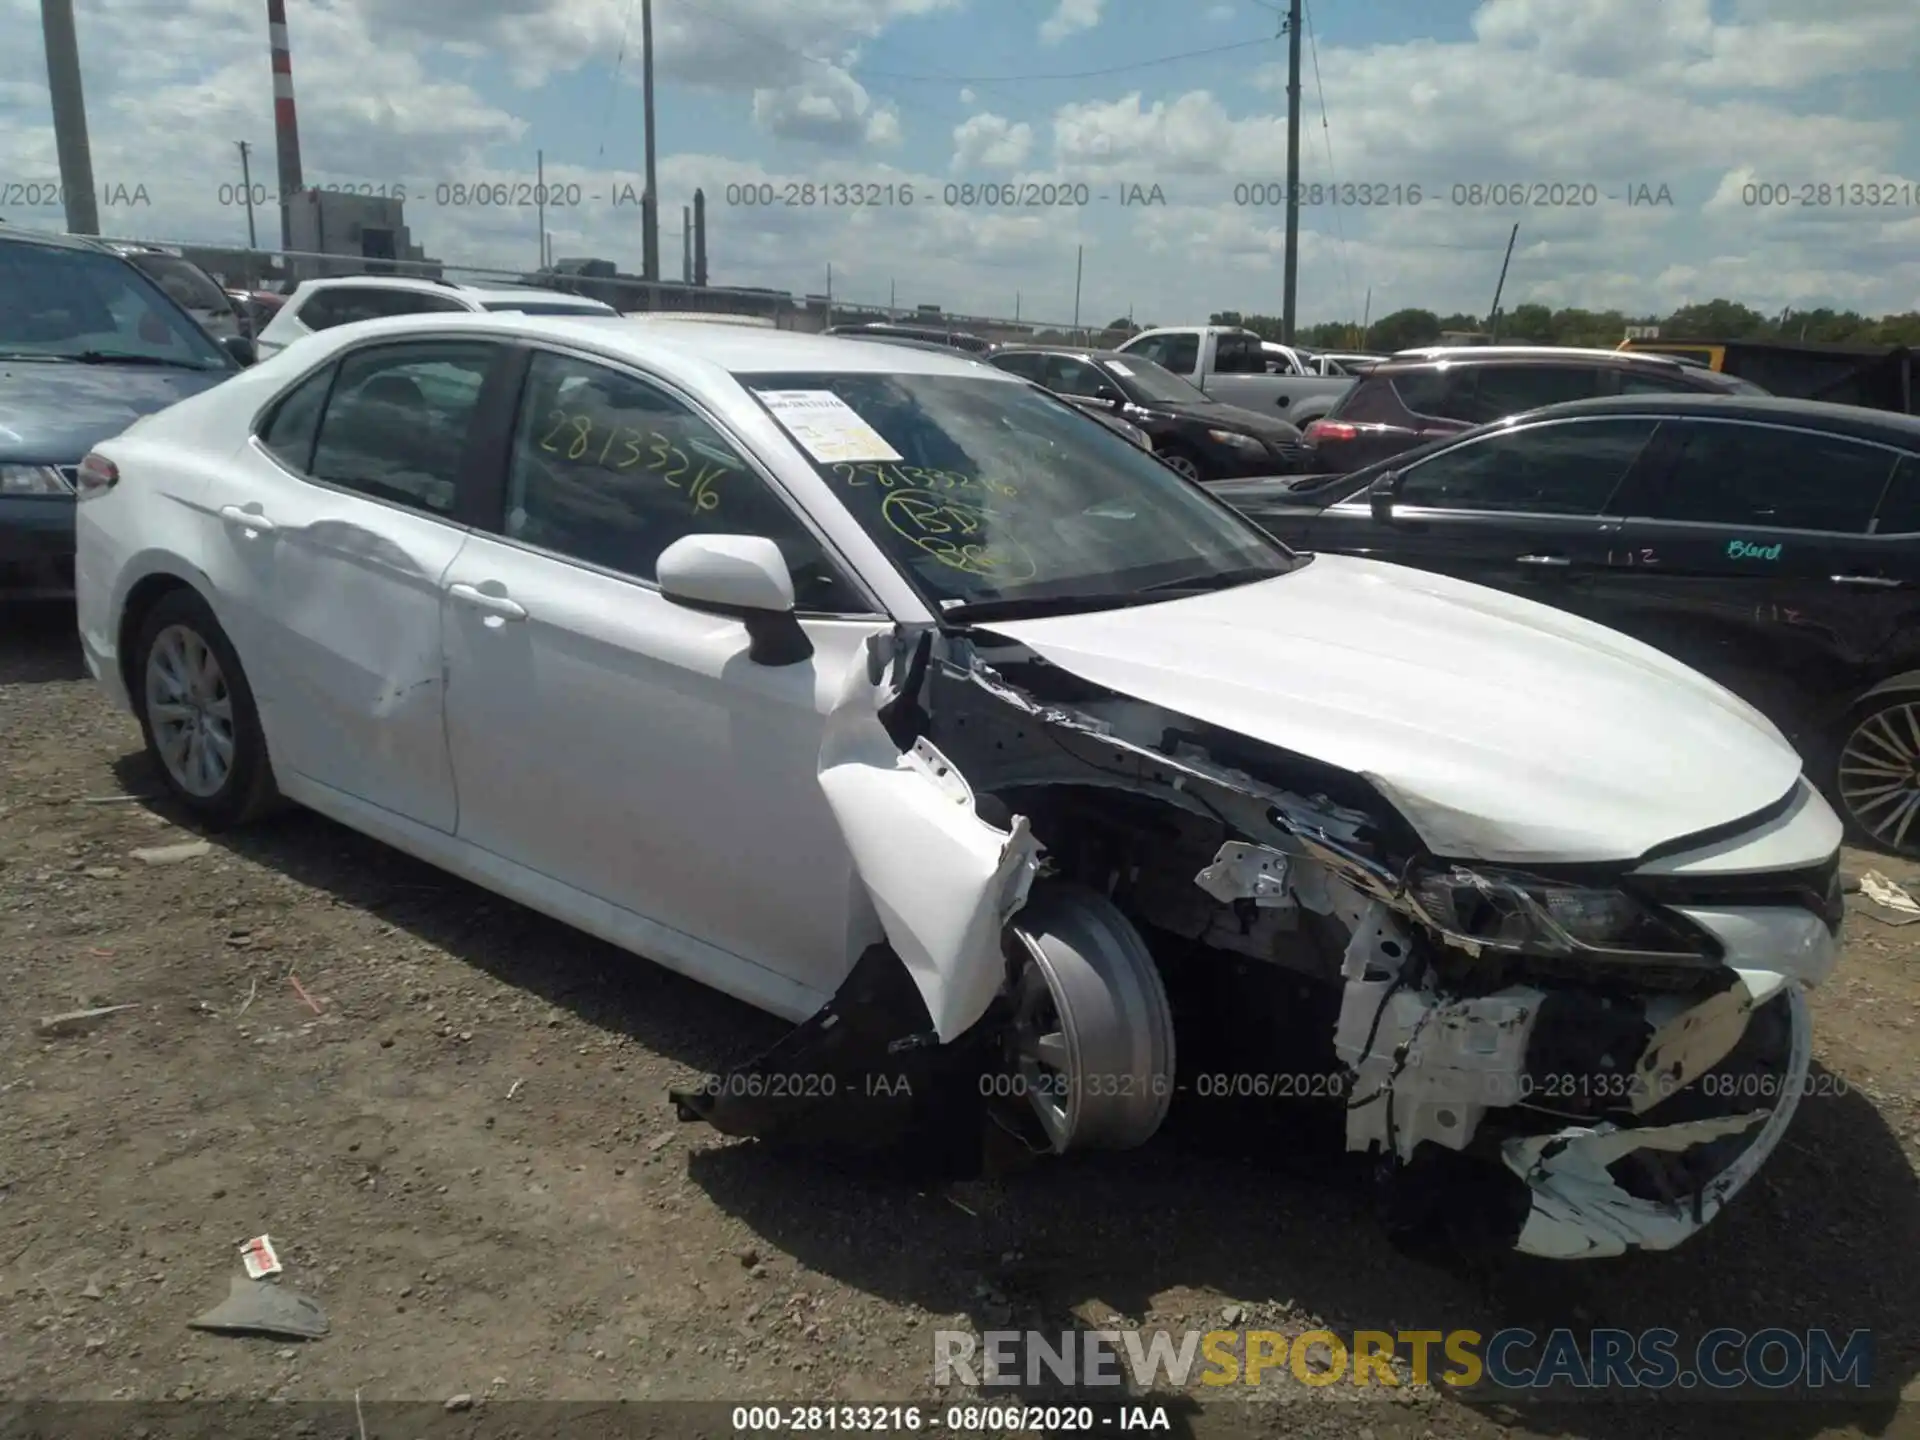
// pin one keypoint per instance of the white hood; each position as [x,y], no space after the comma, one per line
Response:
[1503,730]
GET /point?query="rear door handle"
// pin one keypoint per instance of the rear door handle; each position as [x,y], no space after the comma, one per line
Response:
[1555,561]
[247,520]
[496,605]
[1876,582]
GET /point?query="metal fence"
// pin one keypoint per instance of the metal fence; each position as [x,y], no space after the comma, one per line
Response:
[240,268]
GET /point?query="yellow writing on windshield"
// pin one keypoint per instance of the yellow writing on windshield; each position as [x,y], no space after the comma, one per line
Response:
[575,437]
[960,535]
[915,477]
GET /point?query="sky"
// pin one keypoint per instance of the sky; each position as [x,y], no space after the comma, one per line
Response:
[1141,143]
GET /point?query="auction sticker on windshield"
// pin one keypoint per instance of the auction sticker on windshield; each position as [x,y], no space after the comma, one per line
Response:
[828,429]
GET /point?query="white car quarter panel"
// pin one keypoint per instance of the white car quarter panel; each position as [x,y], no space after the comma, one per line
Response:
[335,614]
[627,746]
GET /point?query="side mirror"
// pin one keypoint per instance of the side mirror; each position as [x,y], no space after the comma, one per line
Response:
[745,578]
[1381,494]
[240,348]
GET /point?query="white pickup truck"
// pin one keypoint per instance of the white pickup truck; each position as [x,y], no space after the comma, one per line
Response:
[1235,365]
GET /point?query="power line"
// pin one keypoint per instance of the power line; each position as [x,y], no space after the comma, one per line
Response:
[1326,135]
[1150,64]
[613,81]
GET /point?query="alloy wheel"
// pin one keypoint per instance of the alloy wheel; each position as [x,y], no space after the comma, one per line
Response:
[1182,464]
[190,711]
[1879,780]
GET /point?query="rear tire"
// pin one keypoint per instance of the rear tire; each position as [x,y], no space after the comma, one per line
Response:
[1182,462]
[1874,775]
[197,714]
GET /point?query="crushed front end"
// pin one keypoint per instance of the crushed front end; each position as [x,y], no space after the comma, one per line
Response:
[1058,869]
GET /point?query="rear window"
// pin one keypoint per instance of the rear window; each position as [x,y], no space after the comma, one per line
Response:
[545,307]
[1425,392]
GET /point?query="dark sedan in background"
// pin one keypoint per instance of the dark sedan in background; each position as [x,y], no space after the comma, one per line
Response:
[88,344]
[1772,544]
[1421,395]
[1197,435]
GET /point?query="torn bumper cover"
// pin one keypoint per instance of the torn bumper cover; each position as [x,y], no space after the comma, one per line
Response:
[1686,1097]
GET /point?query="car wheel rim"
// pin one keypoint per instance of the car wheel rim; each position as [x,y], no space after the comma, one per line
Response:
[190,711]
[1185,466]
[1880,775]
[1090,1042]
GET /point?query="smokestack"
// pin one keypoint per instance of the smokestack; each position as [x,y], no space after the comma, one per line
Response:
[686,244]
[700,237]
[286,132]
[69,116]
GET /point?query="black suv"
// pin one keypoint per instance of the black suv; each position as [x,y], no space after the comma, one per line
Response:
[1201,437]
[1772,544]
[1420,395]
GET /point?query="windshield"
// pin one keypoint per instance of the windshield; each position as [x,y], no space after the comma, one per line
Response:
[60,303]
[985,489]
[547,307]
[1149,384]
[185,282]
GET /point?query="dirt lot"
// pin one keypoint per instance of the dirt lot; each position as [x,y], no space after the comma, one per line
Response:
[463,1150]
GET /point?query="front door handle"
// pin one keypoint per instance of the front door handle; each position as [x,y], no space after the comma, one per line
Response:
[1559,562]
[496,605]
[1875,582]
[247,520]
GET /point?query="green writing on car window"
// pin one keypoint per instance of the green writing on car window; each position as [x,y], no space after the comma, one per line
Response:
[1747,550]
[957,534]
[574,437]
[889,477]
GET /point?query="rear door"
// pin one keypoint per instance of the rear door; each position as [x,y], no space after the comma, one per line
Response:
[1529,510]
[1754,553]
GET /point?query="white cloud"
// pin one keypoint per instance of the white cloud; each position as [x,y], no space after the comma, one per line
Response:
[829,108]
[991,142]
[1069,17]
[1217,13]
[967,97]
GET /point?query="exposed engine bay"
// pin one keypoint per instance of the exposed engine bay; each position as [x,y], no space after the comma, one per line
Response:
[1057,872]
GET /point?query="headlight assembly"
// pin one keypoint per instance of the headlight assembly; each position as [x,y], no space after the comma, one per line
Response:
[1238,441]
[1512,912]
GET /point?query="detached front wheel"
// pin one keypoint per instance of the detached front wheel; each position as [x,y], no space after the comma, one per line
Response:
[1877,775]
[1089,1045]
[198,715]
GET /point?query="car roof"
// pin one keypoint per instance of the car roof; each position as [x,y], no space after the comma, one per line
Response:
[439,287]
[54,240]
[1079,352]
[1429,354]
[737,349]
[1853,420]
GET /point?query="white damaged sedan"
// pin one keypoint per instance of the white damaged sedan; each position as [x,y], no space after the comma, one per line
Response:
[885,692]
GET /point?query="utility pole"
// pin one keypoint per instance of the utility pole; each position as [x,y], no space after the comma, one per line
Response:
[69,117]
[540,201]
[892,295]
[246,184]
[829,295]
[1079,255]
[1366,319]
[1493,320]
[686,244]
[650,205]
[1290,293]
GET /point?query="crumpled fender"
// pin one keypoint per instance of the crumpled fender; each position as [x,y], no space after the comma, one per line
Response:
[942,880]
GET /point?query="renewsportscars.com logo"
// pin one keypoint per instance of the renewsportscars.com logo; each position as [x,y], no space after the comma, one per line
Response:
[1512,1359]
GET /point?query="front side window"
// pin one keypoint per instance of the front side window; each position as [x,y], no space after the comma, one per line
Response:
[1026,366]
[1068,376]
[396,424]
[983,490]
[1239,355]
[611,470]
[1771,477]
[1564,468]
[1900,507]
[59,303]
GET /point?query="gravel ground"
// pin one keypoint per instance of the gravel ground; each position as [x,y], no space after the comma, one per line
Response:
[450,1115]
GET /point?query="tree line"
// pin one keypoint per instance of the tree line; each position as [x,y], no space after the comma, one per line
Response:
[1599,329]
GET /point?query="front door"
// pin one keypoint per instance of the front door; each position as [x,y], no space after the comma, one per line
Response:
[1754,553]
[334,527]
[1527,510]
[620,743]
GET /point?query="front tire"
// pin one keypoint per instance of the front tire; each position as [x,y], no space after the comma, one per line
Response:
[1876,772]
[197,714]
[1182,463]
